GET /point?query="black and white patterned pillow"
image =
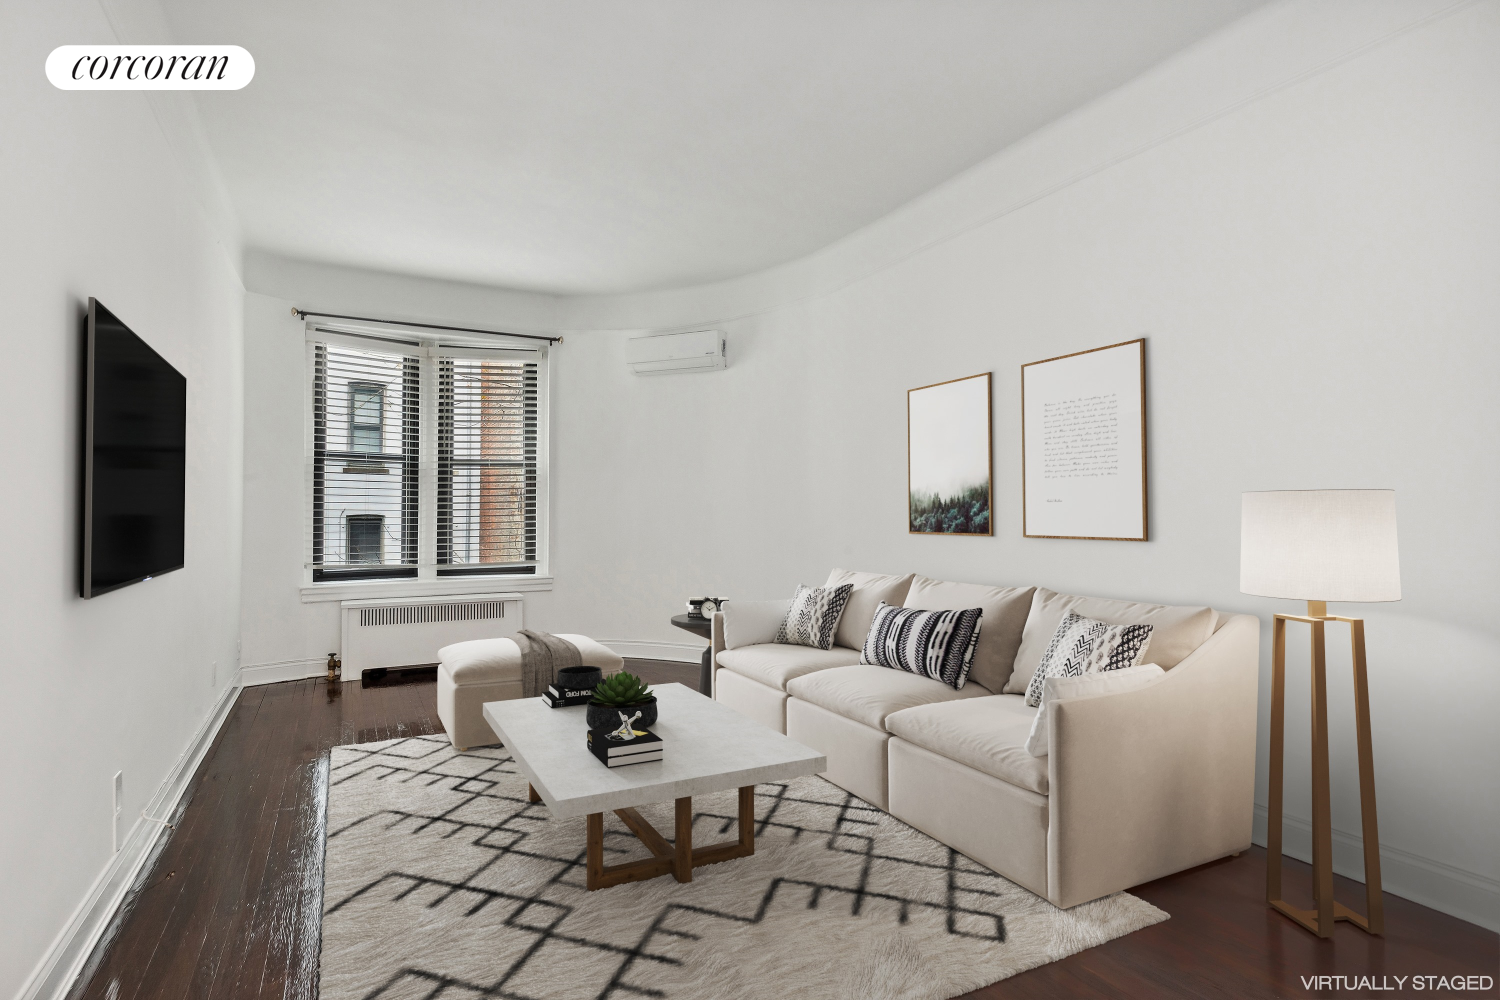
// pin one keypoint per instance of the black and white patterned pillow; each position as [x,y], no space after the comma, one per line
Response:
[1087,646]
[813,617]
[935,644]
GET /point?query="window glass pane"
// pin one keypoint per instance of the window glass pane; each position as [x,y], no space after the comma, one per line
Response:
[368,403]
[363,437]
[365,479]
[366,462]
[487,427]
[366,409]
[366,538]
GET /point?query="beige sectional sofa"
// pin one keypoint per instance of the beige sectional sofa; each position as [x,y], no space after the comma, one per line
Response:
[1136,785]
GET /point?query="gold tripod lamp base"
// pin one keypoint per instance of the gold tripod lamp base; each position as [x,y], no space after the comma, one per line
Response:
[1320,920]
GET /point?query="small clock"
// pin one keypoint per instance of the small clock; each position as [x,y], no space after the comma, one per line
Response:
[710,605]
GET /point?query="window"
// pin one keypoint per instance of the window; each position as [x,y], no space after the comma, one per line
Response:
[366,416]
[366,534]
[426,459]
[486,494]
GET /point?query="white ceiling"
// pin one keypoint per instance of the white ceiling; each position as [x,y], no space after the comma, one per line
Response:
[581,146]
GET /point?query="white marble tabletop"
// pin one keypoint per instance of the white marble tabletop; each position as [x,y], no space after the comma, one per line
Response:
[707,748]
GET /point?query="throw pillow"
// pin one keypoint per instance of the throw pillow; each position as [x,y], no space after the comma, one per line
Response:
[1039,743]
[1005,610]
[1087,646]
[935,644]
[869,590]
[1177,631]
[813,618]
[749,623]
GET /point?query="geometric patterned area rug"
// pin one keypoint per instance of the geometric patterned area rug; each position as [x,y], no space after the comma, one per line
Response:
[442,882]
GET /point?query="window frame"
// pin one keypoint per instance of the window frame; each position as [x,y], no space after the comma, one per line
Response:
[355,425]
[350,520]
[427,577]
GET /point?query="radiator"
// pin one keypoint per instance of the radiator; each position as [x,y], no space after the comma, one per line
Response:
[409,631]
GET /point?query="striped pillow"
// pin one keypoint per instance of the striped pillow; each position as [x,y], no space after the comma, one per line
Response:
[1083,646]
[935,644]
[813,618]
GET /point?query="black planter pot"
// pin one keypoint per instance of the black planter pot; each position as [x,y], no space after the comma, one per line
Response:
[608,716]
[579,678]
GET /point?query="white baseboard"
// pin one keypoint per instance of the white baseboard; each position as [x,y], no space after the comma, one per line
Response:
[687,652]
[75,943]
[283,670]
[1463,894]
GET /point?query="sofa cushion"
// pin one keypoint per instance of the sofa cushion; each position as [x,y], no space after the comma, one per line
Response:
[747,623]
[485,661]
[869,590]
[775,663]
[1005,610]
[868,693]
[987,734]
[1176,632]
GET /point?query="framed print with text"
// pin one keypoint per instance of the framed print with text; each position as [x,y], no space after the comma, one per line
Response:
[948,467]
[1083,445]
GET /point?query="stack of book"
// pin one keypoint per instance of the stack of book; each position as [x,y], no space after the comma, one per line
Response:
[643,746]
[557,697]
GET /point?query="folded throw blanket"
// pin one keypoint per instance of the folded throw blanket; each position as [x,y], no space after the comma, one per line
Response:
[542,656]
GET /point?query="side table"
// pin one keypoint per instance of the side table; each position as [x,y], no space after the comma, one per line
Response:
[698,625]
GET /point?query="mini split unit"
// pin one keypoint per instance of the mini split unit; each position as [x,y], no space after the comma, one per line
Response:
[667,354]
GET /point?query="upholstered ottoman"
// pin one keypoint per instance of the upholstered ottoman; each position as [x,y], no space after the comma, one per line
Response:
[472,673]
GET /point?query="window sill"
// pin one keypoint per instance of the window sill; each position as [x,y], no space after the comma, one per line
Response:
[450,586]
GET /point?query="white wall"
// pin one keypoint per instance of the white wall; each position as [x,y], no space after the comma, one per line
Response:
[1299,214]
[98,200]
[1309,245]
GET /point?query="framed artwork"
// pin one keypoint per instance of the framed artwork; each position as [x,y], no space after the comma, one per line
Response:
[1083,445]
[948,466]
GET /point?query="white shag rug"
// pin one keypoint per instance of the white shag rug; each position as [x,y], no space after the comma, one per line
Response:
[442,882]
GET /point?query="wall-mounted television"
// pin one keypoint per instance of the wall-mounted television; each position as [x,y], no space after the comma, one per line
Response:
[134,458]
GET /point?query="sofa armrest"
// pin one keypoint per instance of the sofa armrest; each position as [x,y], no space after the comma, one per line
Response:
[1149,782]
[716,646]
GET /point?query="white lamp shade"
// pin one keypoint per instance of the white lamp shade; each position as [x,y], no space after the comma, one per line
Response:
[1320,545]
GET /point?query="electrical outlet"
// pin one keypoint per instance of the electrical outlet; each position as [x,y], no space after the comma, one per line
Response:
[119,808]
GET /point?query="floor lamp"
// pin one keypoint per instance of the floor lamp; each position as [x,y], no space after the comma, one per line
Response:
[1320,546]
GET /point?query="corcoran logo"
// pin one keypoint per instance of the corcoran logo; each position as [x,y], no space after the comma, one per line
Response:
[150,67]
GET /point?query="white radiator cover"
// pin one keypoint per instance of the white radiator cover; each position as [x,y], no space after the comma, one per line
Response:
[409,631]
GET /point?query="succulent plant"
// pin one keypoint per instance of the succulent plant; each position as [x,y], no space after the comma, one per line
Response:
[621,689]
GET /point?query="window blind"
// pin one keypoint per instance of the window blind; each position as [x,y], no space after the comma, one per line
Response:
[366,416]
[486,465]
[426,458]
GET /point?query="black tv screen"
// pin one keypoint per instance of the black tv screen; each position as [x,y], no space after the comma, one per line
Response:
[134,458]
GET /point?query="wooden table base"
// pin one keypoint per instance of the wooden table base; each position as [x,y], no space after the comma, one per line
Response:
[678,858]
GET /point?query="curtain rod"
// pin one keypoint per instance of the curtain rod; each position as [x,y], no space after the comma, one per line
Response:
[304,313]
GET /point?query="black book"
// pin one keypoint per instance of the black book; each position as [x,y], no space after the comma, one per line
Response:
[643,746]
[558,692]
[553,701]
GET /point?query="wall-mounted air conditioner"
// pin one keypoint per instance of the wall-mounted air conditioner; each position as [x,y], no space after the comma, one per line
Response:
[701,351]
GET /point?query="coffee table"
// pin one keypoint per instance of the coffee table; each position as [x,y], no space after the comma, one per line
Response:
[708,748]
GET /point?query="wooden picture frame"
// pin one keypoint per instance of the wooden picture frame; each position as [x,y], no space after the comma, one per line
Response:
[950,468]
[1083,445]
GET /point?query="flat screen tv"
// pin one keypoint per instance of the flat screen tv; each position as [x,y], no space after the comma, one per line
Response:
[134,458]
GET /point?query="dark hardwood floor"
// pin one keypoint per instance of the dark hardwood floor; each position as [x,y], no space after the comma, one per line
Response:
[229,906]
